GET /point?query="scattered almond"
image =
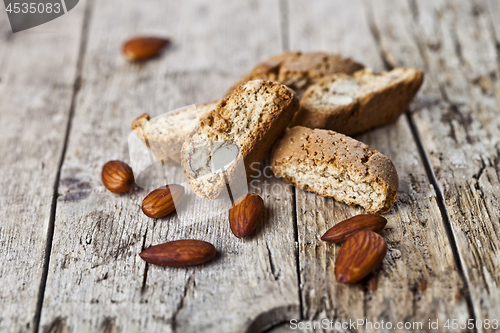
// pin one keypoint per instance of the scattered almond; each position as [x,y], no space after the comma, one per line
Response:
[341,231]
[360,254]
[160,202]
[142,48]
[179,253]
[245,214]
[117,176]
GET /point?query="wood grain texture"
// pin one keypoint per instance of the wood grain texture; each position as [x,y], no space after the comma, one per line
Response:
[34,109]
[457,116]
[96,279]
[418,279]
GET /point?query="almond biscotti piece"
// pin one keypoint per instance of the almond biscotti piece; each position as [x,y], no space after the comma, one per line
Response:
[337,166]
[299,70]
[352,104]
[166,134]
[251,119]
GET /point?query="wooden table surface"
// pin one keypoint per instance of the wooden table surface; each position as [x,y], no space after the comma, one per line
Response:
[69,248]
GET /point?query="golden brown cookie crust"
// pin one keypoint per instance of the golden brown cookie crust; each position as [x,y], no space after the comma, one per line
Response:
[253,118]
[352,104]
[335,165]
[166,135]
[299,70]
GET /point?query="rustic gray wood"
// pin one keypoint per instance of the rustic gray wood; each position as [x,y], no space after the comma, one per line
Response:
[96,279]
[457,116]
[418,279]
[36,88]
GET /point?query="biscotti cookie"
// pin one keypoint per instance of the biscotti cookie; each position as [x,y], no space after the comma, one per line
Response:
[299,70]
[337,166]
[252,119]
[166,134]
[352,104]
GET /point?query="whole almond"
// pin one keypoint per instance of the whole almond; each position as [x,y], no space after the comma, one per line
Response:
[142,48]
[179,253]
[117,176]
[245,214]
[344,229]
[360,254]
[161,202]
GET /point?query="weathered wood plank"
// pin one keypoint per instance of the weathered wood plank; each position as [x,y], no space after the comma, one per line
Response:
[96,277]
[458,122]
[418,280]
[36,88]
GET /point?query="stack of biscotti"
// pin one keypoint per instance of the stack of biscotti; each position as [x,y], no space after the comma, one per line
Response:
[166,134]
[299,70]
[338,96]
[252,118]
[327,162]
[353,104]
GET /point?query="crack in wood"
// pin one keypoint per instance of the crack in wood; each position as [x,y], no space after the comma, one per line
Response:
[274,271]
[284,12]
[189,284]
[460,263]
[465,123]
[51,227]
[478,175]
[296,251]
[444,212]
[109,326]
[146,265]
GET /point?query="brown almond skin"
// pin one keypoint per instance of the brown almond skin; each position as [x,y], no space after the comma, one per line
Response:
[160,202]
[360,254]
[144,47]
[245,214]
[342,230]
[117,176]
[179,253]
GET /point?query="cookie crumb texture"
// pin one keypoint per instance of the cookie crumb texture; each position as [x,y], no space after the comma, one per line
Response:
[337,166]
[252,118]
[352,104]
[299,70]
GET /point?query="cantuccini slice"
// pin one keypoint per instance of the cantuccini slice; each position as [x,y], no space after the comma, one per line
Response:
[166,134]
[299,70]
[352,104]
[250,119]
[337,166]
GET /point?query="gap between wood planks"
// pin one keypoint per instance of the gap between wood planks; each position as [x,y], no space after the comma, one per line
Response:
[50,232]
[285,42]
[428,169]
